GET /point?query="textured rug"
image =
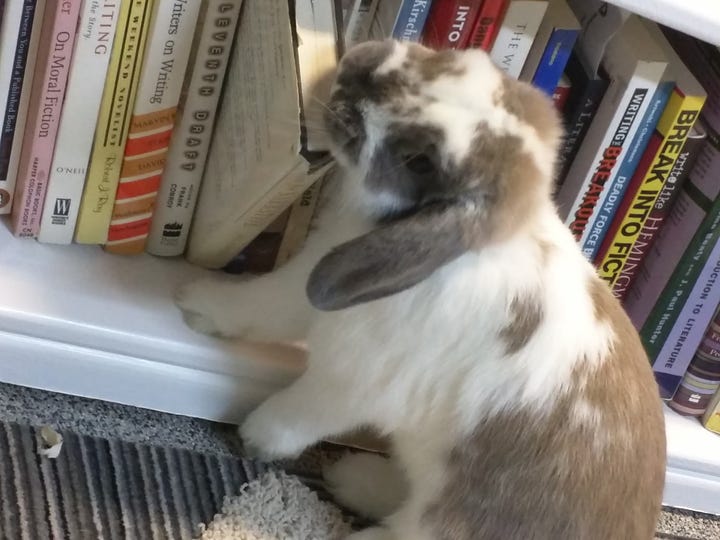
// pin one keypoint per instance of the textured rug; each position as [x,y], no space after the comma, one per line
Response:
[127,473]
[99,489]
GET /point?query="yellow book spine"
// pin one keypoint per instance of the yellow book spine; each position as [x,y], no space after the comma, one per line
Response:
[113,122]
[677,120]
[711,418]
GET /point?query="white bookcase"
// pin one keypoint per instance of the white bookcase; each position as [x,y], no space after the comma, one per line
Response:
[80,321]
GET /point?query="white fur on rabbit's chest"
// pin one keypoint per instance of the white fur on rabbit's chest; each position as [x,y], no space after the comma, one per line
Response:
[436,352]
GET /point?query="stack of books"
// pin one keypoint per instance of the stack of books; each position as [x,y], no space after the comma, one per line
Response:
[194,129]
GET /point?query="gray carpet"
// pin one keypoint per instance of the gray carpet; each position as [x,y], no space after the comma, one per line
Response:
[128,473]
[99,489]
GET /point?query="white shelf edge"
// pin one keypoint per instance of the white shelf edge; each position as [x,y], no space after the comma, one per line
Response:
[698,18]
[223,397]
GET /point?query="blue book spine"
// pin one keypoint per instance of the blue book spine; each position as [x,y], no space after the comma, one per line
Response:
[554,59]
[619,184]
[411,19]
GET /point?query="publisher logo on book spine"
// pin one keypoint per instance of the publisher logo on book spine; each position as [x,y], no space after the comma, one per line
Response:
[171,232]
[61,211]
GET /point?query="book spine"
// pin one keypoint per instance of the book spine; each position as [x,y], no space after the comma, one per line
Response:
[9,33]
[359,21]
[691,208]
[161,80]
[691,321]
[113,122]
[46,101]
[674,126]
[298,224]
[702,378]
[711,418]
[561,93]
[597,166]
[516,35]
[488,23]
[601,219]
[411,20]
[554,59]
[450,24]
[649,232]
[18,98]
[88,69]
[656,330]
[189,145]
[582,105]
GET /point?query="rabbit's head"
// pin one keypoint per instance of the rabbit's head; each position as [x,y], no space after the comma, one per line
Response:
[452,155]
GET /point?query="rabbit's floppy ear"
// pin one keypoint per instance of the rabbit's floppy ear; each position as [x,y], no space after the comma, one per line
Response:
[391,258]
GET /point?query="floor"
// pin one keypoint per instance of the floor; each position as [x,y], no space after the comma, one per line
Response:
[109,420]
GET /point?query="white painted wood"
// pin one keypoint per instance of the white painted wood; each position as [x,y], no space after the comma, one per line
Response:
[699,18]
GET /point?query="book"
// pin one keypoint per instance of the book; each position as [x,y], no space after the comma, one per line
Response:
[190,143]
[686,307]
[635,64]
[46,101]
[702,378]
[18,98]
[411,18]
[450,23]
[359,19]
[517,34]
[487,25]
[711,418]
[609,216]
[9,32]
[256,167]
[123,74]
[698,197]
[317,56]
[561,93]
[660,211]
[300,217]
[384,20]
[582,103]
[280,240]
[551,48]
[161,79]
[671,133]
[94,41]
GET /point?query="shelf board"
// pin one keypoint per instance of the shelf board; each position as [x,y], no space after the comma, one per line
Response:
[698,18]
[115,315]
[76,320]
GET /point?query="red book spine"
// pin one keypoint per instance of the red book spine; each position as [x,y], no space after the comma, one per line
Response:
[488,24]
[450,23]
[635,184]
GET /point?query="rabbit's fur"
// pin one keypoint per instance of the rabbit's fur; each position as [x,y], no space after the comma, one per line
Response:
[455,313]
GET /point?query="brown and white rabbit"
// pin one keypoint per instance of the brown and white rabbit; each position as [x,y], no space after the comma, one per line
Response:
[454,312]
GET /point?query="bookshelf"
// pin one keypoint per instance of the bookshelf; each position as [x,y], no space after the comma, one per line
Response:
[80,321]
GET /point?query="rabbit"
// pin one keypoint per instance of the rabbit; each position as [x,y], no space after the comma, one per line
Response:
[444,303]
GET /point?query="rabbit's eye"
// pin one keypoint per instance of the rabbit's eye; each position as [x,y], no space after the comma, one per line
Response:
[419,164]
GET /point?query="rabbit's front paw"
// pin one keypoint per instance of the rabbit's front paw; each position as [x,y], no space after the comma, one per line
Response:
[265,437]
[209,307]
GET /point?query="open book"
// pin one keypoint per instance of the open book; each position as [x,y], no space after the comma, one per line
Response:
[268,141]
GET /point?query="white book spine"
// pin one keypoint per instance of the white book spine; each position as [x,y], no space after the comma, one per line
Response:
[189,145]
[7,184]
[517,34]
[96,33]
[591,158]
[359,21]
